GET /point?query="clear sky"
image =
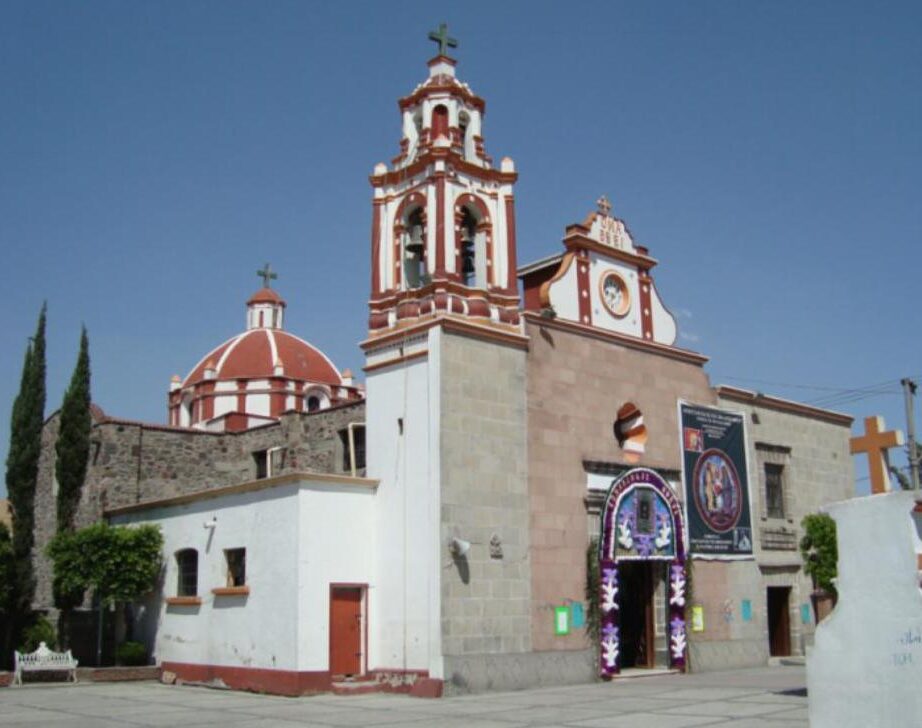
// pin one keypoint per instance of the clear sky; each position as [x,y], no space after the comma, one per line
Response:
[153,155]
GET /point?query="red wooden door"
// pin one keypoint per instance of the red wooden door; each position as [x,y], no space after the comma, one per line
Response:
[346,630]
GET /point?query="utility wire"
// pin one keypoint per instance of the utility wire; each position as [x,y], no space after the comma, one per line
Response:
[836,395]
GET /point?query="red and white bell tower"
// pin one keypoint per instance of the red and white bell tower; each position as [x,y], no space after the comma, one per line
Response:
[443,223]
[445,366]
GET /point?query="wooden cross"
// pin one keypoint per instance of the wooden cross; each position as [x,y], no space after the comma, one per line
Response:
[604,205]
[267,274]
[441,37]
[875,442]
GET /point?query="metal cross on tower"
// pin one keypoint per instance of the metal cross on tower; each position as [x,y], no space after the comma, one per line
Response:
[268,275]
[441,37]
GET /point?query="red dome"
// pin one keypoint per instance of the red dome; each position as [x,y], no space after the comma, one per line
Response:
[254,354]
[266,295]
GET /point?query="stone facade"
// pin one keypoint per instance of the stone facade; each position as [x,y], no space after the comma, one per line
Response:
[134,462]
[576,384]
[484,500]
[810,447]
[577,381]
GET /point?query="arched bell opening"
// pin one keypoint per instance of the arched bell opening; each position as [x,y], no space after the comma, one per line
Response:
[473,243]
[641,540]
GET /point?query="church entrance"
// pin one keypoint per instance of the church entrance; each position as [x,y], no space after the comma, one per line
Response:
[779,621]
[641,552]
[637,622]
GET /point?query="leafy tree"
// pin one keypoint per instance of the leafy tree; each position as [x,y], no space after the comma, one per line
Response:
[593,584]
[21,478]
[73,445]
[119,563]
[6,574]
[819,550]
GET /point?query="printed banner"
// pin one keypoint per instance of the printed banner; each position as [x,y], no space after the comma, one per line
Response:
[716,482]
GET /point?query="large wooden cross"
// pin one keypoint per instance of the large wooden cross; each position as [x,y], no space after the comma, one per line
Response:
[875,442]
[441,37]
[268,275]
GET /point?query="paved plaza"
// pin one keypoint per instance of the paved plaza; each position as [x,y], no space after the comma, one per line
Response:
[771,696]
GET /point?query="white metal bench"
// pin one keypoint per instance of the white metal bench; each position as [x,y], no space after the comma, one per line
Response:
[43,659]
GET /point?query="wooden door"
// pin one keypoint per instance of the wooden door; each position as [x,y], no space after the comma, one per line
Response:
[346,630]
[779,621]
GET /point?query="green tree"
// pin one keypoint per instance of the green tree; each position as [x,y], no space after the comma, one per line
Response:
[73,445]
[21,478]
[6,574]
[119,563]
[819,550]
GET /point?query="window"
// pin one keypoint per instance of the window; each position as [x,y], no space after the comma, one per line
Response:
[313,403]
[236,566]
[187,567]
[774,490]
[355,448]
[439,122]
[261,460]
[269,462]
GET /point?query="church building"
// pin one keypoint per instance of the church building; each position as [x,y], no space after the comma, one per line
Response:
[524,430]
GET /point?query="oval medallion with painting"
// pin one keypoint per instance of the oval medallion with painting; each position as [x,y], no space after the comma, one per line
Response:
[718,494]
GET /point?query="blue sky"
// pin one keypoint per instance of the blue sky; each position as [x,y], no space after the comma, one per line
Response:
[154,155]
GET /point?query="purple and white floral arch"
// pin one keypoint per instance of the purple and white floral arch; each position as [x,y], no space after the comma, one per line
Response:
[641,521]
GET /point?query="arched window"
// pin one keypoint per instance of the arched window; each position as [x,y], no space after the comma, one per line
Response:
[467,244]
[187,570]
[440,122]
[186,412]
[313,403]
[414,251]
[464,123]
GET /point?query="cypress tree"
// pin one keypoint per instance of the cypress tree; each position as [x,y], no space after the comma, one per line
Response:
[73,445]
[22,473]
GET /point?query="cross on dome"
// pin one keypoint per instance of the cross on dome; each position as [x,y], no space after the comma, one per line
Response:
[442,38]
[268,275]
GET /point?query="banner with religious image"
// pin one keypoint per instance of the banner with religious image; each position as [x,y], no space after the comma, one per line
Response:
[716,482]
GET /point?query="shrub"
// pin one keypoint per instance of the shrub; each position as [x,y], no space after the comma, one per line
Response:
[818,550]
[131,653]
[41,630]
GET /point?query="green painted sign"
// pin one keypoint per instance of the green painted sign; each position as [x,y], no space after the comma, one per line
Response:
[561,620]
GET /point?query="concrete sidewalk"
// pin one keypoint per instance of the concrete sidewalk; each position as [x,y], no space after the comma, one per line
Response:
[771,696]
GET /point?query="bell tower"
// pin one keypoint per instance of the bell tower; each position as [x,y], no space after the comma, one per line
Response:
[443,220]
[445,367]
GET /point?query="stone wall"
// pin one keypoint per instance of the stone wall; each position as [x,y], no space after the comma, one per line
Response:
[812,449]
[576,384]
[132,462]
[485,596]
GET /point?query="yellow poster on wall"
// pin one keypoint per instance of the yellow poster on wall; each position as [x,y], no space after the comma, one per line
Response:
[697,619]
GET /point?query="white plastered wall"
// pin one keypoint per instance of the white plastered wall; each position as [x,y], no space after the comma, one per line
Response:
[252,631]
[564,295]
[335,547]
[664,326]
[299,539]
[404,605]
